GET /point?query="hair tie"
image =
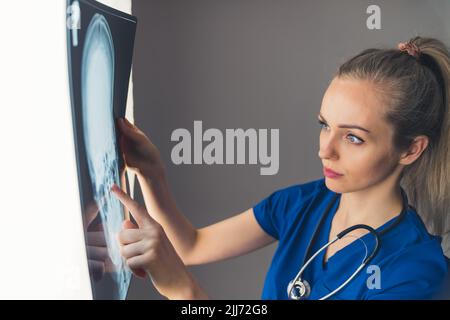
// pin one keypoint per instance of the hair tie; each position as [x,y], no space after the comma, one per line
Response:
[411,48]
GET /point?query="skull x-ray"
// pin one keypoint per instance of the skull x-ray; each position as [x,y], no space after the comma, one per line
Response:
[100,56]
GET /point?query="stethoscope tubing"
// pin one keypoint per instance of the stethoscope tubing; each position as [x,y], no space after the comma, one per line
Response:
[340,235]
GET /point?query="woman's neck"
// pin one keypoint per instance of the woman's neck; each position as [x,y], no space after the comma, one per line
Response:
[373,206]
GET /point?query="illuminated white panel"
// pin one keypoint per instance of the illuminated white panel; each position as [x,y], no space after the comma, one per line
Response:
[41,241]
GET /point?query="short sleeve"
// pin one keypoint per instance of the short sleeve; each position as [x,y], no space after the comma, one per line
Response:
[279,209]
[414,275]
[266,214]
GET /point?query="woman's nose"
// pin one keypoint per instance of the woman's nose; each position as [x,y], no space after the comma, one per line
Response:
[327,149]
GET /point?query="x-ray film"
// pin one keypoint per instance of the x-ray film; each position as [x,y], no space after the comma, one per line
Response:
[100,47]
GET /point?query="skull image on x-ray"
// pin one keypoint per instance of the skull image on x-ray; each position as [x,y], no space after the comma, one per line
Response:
[97,85]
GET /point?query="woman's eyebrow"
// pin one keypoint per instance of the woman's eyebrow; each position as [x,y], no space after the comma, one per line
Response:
[347,126]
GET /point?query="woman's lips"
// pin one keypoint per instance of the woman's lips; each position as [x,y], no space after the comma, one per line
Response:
[330,173]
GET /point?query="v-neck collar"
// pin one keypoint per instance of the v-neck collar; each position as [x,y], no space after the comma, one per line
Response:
[326,235]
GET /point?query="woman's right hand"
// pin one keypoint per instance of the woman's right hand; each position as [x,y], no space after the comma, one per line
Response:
[147,249]
[140,154]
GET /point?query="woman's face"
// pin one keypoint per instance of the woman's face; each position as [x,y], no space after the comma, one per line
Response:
[362,156]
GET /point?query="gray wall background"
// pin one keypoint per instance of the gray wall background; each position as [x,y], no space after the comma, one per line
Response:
[250,64]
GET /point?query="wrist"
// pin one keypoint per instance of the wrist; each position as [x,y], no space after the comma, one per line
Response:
[156,192]
[191,291]
[155,174]
[157,182]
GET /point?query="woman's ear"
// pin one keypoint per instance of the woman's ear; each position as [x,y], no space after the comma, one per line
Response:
[414,151]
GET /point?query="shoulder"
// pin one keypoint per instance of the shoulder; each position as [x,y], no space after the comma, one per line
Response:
[418,272]
[416,267]
[302,191]
[414,236]
[295,198]
[281,207]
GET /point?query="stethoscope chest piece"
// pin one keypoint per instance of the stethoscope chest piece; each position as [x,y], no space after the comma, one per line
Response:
[299,290]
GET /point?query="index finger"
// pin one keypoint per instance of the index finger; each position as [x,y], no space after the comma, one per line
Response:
[137,211]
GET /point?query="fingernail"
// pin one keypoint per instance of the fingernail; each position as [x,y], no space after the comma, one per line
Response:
[114,188]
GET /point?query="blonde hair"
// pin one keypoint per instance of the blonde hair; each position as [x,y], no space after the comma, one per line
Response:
[416,90]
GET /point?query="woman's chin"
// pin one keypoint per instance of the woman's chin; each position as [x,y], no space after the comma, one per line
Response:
[335,185]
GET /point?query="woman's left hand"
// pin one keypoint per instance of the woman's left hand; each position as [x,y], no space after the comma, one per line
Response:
[147,249]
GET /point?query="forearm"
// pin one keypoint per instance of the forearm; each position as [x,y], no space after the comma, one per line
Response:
[162,207]
[192,292]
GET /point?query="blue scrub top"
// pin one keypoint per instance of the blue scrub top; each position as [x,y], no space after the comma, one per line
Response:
[409,265]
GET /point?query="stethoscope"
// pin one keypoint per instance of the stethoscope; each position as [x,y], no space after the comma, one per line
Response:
[299,289]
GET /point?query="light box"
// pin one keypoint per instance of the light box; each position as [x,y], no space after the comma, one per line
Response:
[44,187]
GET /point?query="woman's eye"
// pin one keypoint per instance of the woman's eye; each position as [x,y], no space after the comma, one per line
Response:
[352,138]
[322,124]
[355,139]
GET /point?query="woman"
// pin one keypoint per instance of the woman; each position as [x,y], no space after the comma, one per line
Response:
[384,134]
